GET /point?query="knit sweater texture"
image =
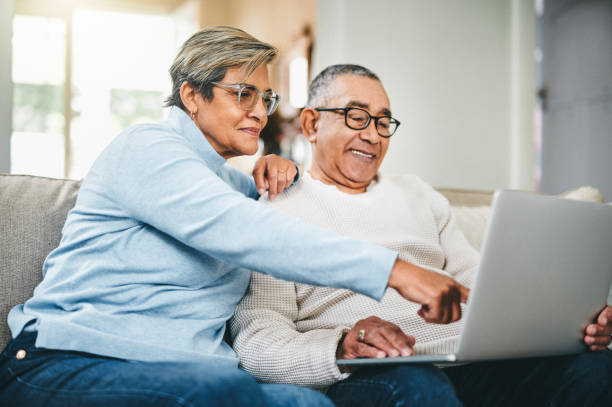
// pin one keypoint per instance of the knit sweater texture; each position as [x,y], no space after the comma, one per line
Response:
[288,332]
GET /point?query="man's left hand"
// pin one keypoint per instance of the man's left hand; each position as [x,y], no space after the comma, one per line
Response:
[597,335]
[274,174]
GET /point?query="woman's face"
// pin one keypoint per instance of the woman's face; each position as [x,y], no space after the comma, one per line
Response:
[231,130]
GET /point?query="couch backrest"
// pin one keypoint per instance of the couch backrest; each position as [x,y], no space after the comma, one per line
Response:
[32,213]
[466,198]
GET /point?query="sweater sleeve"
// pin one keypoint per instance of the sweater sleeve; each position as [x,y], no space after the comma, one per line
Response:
[160,181]
[239,180]
[269,345]
[461,259]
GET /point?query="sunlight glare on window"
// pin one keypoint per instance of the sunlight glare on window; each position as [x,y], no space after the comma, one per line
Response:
[39,53]
[120,77]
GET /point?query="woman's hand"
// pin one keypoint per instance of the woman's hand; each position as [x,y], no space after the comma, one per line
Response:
[597,335]
[274,174]
[375,338]
[440,296]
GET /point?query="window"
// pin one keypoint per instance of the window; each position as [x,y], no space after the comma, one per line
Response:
[37,140]
[120,78]
[117,73]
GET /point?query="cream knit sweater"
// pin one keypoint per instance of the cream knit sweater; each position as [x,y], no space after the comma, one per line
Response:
[288,332]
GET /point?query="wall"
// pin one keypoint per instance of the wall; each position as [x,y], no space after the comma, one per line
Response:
[6,85]
[54,8]
[458,76]
[522,95]
[277,22]
[273,21]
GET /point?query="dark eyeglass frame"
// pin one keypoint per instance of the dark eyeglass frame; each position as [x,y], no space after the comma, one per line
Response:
[346,110]
[268,94]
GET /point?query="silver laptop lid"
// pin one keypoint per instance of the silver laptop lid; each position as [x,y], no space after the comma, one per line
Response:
[545,271]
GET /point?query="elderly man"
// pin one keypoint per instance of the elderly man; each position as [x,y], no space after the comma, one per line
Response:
[288,332]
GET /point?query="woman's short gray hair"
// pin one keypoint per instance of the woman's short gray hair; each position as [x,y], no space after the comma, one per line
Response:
[318,91]
[205,57]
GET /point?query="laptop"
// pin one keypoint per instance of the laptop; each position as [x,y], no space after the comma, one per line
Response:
[545,273]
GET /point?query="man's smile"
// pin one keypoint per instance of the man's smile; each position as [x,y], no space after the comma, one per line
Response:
[361,153]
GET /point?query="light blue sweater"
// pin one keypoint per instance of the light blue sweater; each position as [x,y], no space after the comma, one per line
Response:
[156,253]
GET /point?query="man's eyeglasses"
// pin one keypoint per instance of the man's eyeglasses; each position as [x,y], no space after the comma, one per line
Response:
[358,119]
[248,95]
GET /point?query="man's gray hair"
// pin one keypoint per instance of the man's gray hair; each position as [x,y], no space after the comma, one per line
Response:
[205,57]
[318,91]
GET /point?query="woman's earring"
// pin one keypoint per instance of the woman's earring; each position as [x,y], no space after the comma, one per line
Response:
[192,114]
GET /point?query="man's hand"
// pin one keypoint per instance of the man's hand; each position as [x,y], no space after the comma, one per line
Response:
[274,174]
[597,335]
[379,339]
[439,295]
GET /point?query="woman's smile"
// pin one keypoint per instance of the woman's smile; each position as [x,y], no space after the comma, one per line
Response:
[252,131]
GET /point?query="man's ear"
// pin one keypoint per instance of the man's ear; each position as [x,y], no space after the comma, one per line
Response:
[310,121]
[188,97]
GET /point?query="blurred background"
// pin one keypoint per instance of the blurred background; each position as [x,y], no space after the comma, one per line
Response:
[491,93]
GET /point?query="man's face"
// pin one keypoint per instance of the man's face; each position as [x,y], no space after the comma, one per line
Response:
[342,156]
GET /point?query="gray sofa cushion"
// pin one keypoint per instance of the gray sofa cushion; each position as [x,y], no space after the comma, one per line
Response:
[33,211]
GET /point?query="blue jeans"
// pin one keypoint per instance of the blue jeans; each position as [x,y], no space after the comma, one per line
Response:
[575,380]
[52,378]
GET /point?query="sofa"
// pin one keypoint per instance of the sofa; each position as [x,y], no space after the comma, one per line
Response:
[33,211]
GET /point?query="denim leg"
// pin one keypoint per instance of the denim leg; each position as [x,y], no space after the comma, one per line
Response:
[572,380]
[57,378]
[407,385]
[279,395]
[587,381]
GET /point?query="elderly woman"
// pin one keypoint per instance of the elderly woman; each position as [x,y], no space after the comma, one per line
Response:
[152,263]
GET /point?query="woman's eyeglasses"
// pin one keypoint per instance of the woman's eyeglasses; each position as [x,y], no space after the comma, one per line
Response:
[358,119]
[248,95]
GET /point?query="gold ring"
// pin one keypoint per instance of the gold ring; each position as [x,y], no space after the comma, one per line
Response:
[361,335]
